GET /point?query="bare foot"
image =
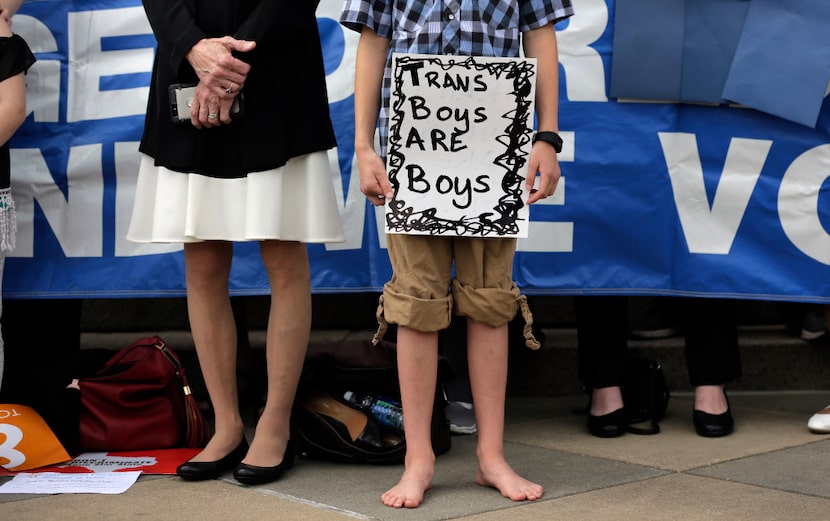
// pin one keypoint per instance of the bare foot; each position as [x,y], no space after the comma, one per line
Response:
[512,486]
[409,492]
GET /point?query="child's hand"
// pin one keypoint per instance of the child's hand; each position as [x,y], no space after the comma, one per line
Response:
[544,161]
[374,181]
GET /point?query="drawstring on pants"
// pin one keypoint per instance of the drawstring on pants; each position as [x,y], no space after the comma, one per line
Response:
[527,331]
[382,324]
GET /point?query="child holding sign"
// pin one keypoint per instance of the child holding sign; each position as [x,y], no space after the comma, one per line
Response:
[417,297]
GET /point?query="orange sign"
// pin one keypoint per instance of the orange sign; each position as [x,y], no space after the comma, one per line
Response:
[26,441]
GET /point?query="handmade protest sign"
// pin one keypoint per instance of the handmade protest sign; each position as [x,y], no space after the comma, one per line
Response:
[460,132]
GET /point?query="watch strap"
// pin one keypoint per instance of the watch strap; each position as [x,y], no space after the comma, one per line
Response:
[549,137]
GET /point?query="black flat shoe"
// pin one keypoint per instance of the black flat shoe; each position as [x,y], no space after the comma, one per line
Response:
[608,425]
[202,470]
[713,425]
[255,475]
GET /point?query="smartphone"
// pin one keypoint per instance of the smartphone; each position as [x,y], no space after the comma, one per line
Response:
[181,97]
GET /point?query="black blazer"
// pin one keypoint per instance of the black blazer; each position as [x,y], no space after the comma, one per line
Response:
[286,104]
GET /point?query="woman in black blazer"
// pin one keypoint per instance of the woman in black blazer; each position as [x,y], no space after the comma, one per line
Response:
[261,174]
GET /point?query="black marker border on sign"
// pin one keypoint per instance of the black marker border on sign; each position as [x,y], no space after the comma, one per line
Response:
[503,219]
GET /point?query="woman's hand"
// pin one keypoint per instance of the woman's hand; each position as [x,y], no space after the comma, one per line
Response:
[208,110]
[221,77]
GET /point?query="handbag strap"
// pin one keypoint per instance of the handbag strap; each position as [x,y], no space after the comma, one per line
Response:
[196,432]
[651,390]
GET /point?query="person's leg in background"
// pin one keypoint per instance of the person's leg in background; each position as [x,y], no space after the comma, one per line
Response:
[602,336]
[452,345]
[819,422]
[653,316]
[713,360]
[805,320]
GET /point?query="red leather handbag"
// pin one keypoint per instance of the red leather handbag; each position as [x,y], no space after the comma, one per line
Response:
[140,400]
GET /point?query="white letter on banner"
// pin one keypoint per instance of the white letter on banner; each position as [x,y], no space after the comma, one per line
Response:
[582,63]
[43,80]
[712,230]
[75,219]
[798,198]
[340,83]
[88,64]
[552,236]
[127,160]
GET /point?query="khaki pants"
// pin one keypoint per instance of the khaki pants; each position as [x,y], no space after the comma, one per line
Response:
[424,292]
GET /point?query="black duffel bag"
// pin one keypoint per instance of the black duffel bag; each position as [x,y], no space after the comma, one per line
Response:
[333,416]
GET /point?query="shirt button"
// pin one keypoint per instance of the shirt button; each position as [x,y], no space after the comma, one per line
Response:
[451,16]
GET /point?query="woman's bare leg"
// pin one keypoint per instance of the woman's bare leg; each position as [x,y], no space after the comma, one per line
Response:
[207,268]
[289,326]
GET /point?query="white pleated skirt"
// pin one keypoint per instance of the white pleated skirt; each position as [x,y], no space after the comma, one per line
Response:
[295,202]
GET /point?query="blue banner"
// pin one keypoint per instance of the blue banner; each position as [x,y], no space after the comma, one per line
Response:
[655,198]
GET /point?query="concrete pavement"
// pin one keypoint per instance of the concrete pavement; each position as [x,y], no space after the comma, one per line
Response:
[771,469]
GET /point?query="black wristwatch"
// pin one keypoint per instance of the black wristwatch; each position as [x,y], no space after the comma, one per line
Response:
[549,137]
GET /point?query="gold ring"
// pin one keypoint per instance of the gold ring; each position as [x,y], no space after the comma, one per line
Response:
[212,116]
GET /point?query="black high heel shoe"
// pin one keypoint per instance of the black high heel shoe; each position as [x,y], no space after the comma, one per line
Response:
[255,475]
[714,425]
[608,425]
[202,470]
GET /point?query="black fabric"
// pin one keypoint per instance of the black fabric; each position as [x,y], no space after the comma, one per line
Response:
[712,355]
[286,103]
[452,344]
[645,394]
[15,57]
[42,347]
[711,340]
[602,340]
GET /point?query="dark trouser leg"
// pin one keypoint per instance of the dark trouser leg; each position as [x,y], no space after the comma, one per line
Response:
[712,355]
[602,334]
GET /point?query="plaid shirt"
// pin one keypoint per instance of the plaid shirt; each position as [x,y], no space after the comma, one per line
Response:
[460,27]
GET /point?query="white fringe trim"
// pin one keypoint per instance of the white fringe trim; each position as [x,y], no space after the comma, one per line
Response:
[8,220]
